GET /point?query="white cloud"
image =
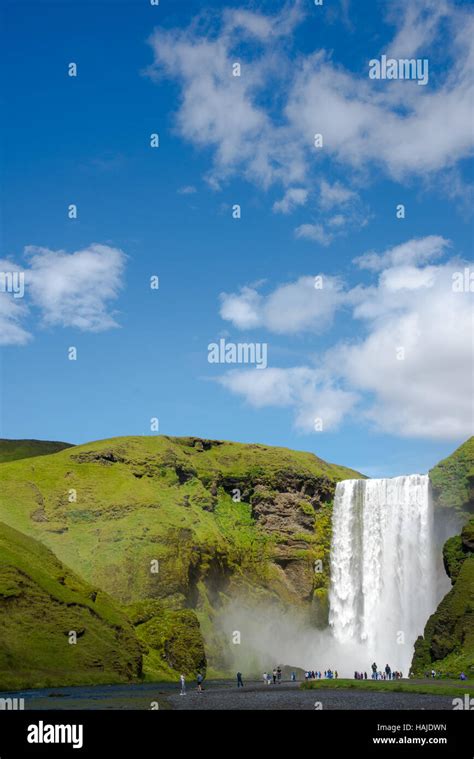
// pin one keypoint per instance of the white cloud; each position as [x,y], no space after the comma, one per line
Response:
[187,190]
[314,232]
[413,308]
[415,251]
[243,309]
[429,393]
[331,195]
[290,308]
[405,129]
[13,310]
[260,26]
[12,313]
[295,196]
[364,121]
[339,220]
[74,289]
[220,110]
[304,390]
[418,23]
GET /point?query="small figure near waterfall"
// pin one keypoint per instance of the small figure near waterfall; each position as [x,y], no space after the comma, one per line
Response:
[182,681]
[240,683]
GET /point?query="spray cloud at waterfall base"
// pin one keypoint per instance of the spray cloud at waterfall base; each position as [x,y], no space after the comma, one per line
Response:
[387,578]
[386,571]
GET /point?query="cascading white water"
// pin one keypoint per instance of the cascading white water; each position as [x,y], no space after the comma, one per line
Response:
[383,569]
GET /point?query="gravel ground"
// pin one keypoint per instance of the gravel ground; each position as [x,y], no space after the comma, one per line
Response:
[288,696]
[224,695]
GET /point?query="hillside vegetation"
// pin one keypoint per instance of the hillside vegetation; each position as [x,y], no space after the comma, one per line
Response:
[452,480]
[41,603]
[12,450]
[447,644]
[185,523]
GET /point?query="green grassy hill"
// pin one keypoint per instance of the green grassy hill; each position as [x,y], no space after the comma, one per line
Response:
[452,480]
[12,450]
[184,522]
[41,602]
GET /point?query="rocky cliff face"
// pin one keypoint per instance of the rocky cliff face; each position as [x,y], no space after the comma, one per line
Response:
[182,525]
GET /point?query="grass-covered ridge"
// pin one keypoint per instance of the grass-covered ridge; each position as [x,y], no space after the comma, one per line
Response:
[41,602]
[13,450]
[185,522]
[452,479]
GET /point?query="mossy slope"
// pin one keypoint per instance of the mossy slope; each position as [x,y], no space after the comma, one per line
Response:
[41,602]
[452,480]
[183,521]
[447,644]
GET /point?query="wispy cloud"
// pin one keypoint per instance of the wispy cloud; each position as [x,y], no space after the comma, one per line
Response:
[66,290]
[365,123]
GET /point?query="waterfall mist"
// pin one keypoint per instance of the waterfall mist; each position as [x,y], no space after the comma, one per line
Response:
[387,578]
[386,574]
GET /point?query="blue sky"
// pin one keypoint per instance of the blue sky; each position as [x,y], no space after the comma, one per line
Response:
[305,212]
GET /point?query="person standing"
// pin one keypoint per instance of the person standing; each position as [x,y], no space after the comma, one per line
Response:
[182,681]
[240,683]
[199,682]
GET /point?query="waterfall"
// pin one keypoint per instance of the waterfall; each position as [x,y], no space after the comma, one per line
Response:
[384,570]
